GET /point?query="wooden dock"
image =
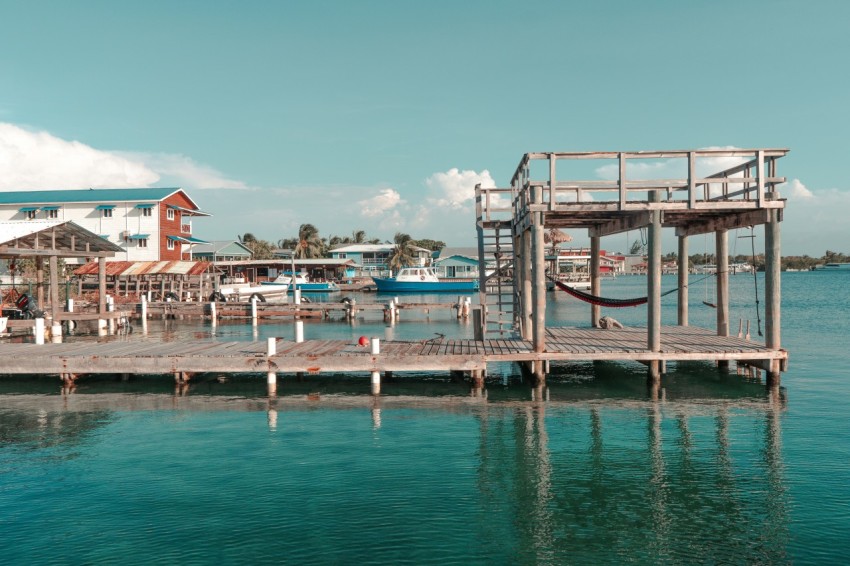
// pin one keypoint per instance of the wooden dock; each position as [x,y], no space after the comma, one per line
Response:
[184,358]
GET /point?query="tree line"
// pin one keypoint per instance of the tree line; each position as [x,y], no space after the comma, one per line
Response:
[310,244]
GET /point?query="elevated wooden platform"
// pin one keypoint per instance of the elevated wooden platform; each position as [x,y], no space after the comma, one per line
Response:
[339,356]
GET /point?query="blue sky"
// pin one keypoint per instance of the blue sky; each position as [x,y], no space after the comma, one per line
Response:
[382,115]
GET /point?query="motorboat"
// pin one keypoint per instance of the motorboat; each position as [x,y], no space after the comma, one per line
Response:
[303,283]
[422,280]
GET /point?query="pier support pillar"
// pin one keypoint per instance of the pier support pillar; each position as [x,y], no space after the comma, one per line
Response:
[525,299]
[595,278]
[772,309]
[684,265]
[772,281]
[722,253]
[654,280]
[538,275]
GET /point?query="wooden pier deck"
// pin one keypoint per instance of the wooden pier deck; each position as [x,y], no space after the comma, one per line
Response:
[342,356]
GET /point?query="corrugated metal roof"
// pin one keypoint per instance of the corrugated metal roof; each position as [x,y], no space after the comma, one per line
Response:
[134,268]
[85,195]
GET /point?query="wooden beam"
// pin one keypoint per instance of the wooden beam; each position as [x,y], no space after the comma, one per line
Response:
[630,221]
[731,221]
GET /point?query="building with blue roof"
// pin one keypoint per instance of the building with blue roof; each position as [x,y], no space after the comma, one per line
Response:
[148,224]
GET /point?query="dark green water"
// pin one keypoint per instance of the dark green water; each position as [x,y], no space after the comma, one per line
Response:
[588,471]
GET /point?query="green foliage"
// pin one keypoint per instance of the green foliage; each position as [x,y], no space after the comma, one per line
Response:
[402,254]
[433,245]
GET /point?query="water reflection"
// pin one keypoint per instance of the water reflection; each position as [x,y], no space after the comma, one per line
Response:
[556,481]
[697,487]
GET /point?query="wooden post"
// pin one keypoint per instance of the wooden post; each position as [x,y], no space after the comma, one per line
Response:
[595,279]
[525,291]
[683,281]
[39,281]
[722,252]
[101,285]
[654,287]
[772,290]
[55,307]
[538,275]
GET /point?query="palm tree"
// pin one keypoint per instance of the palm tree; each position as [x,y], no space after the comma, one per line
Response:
[402,254]
[309,242]
[247,238]
[358,237]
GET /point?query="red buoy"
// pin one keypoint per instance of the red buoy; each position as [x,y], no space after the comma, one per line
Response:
[363,341]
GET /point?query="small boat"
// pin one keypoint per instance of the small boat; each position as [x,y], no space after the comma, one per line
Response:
[303,283]
[422,280]
[833,266]
[239,289]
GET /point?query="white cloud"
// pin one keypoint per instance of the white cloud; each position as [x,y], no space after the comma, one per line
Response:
[38,160]
[180,170]
[382,203]
[796,190]
[31,160]
[456,188]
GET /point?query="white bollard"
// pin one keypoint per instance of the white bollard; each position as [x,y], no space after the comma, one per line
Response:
[297,296]
[38,330]
[299,331]
[376,383]
[144,307]
[56,333]
[110,303]
[254,310]
[271,346]
[376,345]
[101,327]
[213,315]
[70,305]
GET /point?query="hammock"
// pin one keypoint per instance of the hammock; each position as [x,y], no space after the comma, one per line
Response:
[602,301]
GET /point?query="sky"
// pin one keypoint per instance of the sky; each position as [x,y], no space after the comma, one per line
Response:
[383,115]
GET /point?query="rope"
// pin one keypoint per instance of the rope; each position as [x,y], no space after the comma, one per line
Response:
[755,277]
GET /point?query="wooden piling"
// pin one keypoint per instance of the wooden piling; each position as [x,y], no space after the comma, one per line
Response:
[682,279]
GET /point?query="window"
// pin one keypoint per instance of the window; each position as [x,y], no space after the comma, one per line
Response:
[31,214]
[170,214]
[142,242]
[147,212]
[52,213]
[107,212]
[170,244]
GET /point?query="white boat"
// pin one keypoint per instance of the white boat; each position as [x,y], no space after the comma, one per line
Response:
[239,289]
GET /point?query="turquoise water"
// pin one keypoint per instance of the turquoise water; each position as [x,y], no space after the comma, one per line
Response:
[588,471]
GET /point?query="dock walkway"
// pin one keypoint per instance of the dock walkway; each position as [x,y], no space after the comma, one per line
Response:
[342,356]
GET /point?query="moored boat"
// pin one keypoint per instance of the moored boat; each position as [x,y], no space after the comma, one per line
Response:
[422,280]
[303,283]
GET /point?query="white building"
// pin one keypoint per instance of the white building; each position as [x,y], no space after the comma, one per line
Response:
[152,224]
